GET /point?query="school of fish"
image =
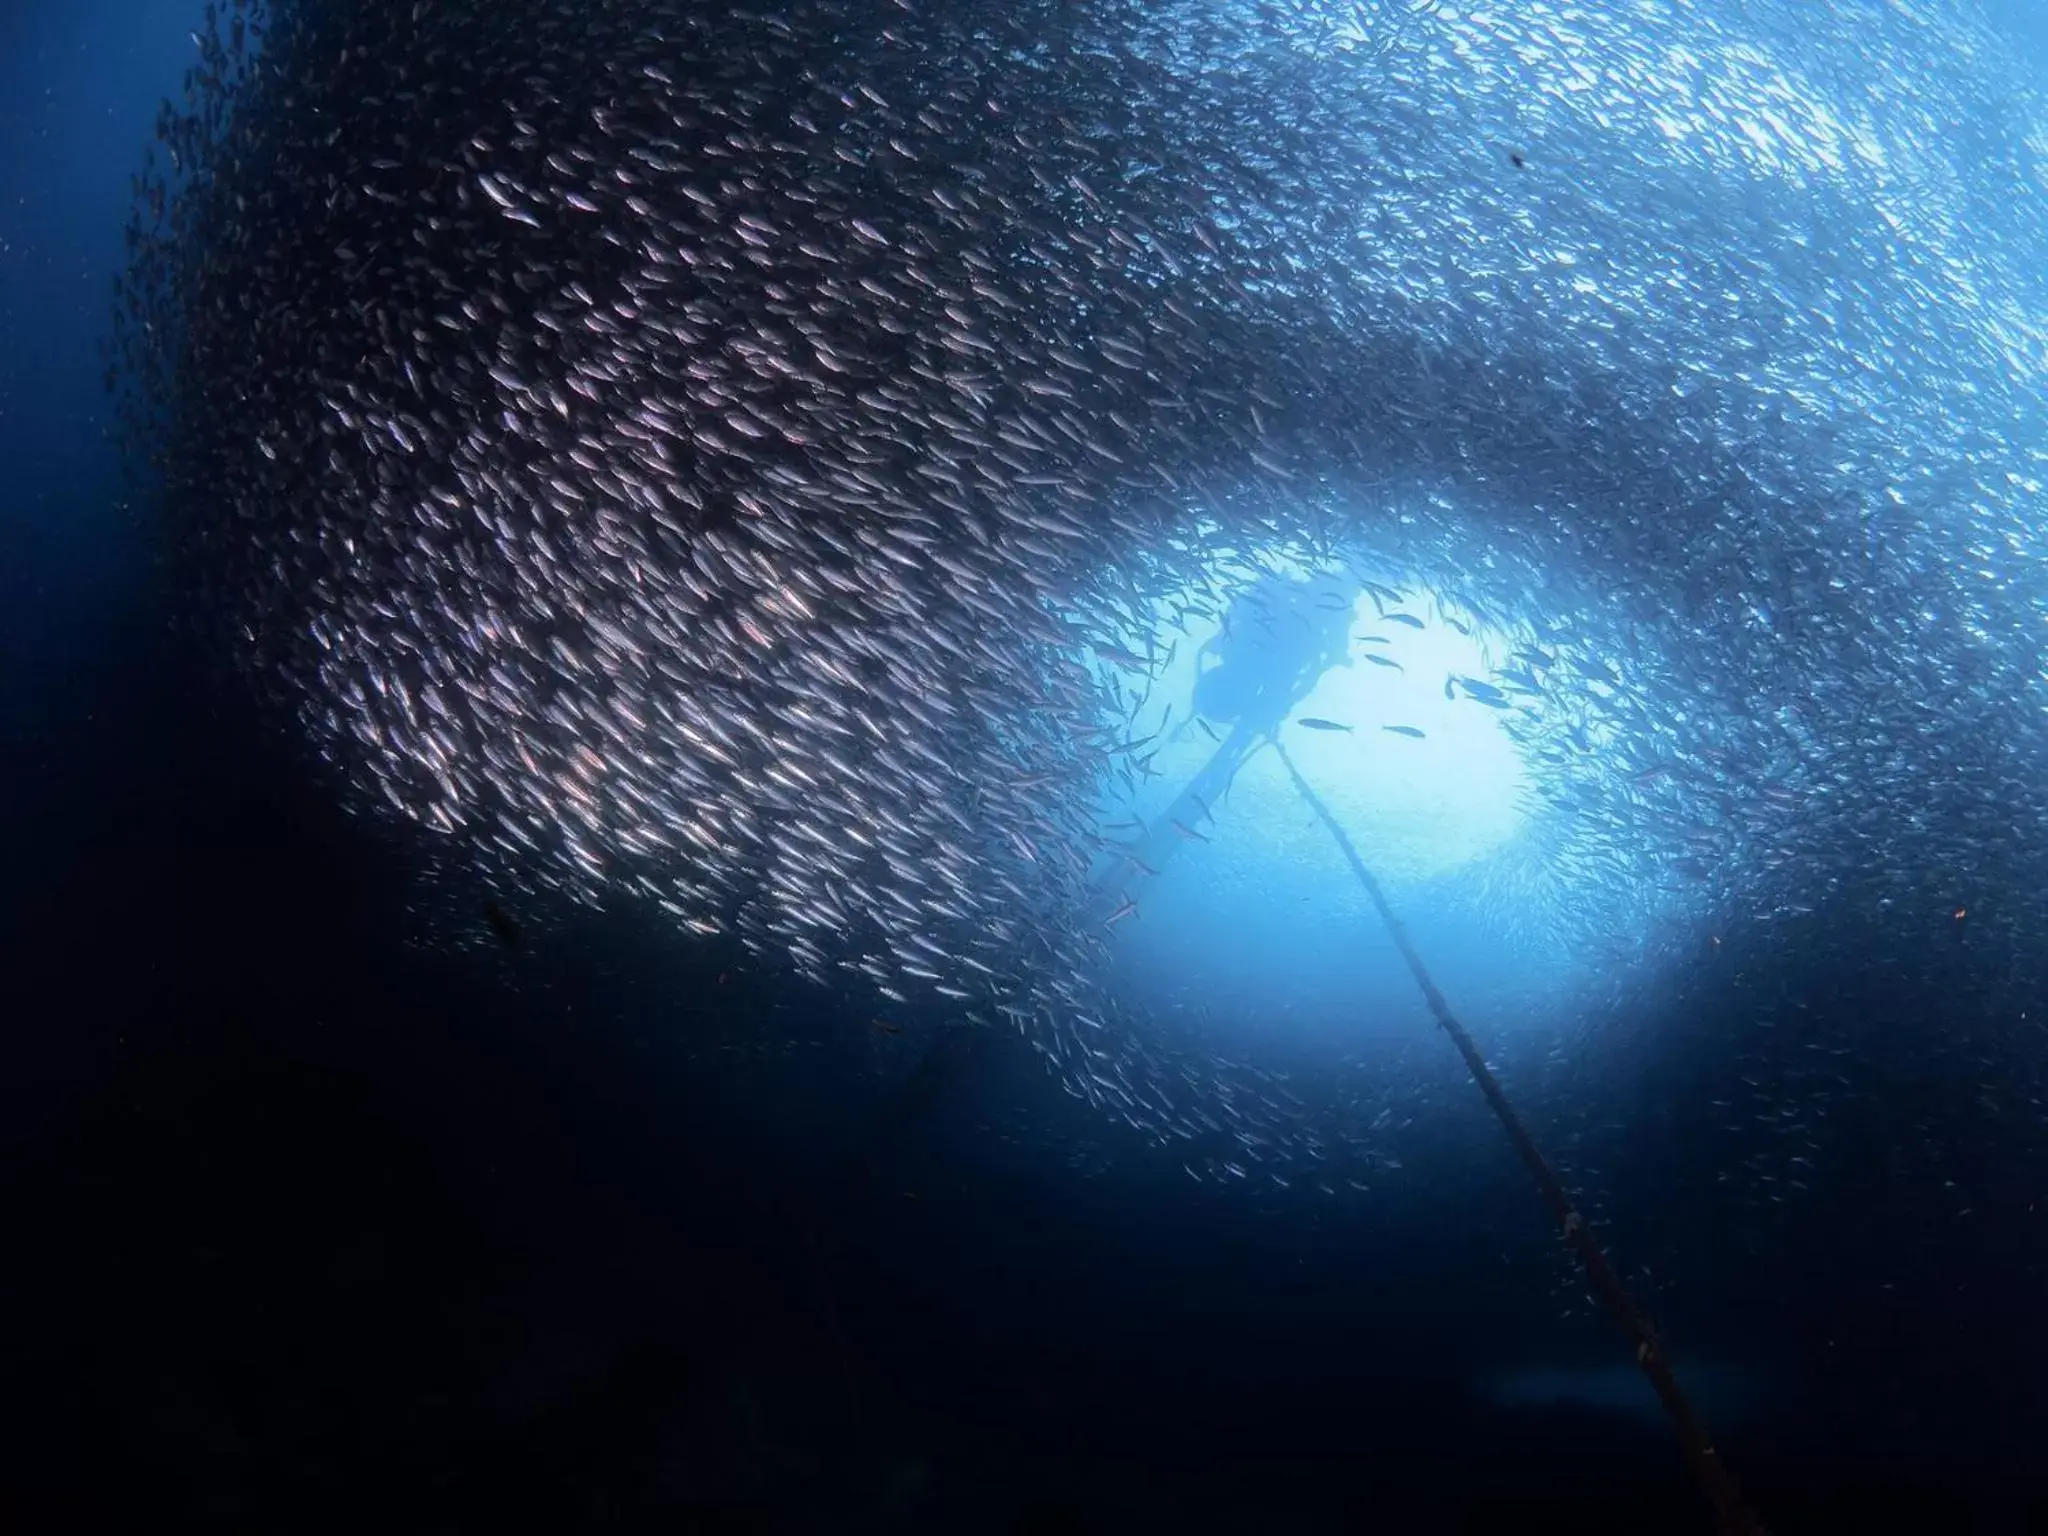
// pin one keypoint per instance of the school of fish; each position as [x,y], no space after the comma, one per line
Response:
[729,457]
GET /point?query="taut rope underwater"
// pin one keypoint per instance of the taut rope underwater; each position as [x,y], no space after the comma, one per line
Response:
[1718,1483]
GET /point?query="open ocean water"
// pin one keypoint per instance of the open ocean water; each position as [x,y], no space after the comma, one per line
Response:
[1044,766]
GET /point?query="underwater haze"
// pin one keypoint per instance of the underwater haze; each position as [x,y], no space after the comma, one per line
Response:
[855,766]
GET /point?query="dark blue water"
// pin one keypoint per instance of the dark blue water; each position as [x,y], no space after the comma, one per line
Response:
[317,1222]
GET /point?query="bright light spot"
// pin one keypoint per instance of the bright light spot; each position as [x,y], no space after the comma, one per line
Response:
[1419,769]
[1427,803]
[1234,904]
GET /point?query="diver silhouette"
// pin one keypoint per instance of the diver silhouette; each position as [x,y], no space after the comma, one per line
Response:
[1278,637]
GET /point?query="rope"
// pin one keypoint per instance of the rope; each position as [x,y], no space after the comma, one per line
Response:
[1715,1479]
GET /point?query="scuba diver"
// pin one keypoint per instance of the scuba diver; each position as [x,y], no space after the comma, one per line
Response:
[1278,637]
